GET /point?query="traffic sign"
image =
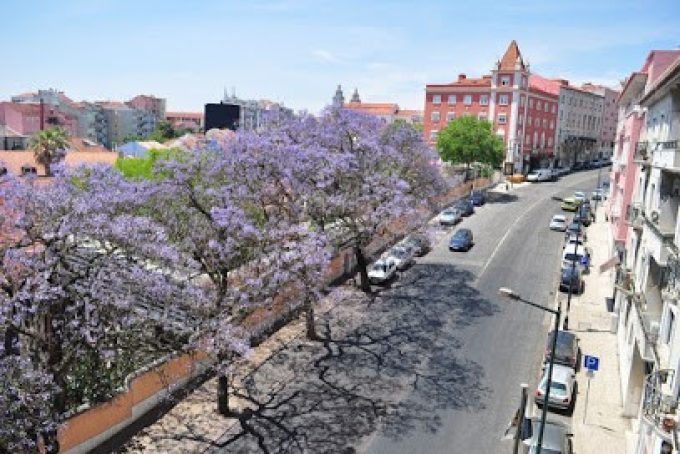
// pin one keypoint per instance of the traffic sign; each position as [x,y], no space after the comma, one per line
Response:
[591,362]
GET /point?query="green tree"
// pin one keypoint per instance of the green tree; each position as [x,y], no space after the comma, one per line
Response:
[143,168]
[49,146]
[467,140]
[164,131]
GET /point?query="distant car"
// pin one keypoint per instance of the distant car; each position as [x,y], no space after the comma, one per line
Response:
[561,388]
[575,228]
[570,204]
[578,254]
[566,350]
[461,240]
[580,196]
[596,194]
[383,270]
[554,174]
[540,175]
[558,223]
[596,163]
[556,437]
[450,216]
[572,240]
[418,242]
[403,256]
[564,171]
[465,207]
[571,278]
[478,198]
[577,166]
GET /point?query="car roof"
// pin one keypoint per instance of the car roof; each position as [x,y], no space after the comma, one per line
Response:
[560,216]
[573,248]
[560,373]
[553,434]
[463,231]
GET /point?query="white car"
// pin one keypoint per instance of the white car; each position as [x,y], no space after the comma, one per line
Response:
[383,270]
[449,216]
[403,255]
[540,175]
[561,387]
[580,196]
[559,223]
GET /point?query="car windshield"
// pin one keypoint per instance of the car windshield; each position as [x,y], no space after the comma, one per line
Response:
[450,212]
[380,267]
[400,253]
[568,274]
[573,257]
[460,235]
[558,219]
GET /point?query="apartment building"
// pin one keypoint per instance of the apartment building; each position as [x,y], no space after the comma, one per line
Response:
[388,112]
[648,281]
[521,106]
[579,124]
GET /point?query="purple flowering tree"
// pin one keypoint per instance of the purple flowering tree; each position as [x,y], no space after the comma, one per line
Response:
[74,292]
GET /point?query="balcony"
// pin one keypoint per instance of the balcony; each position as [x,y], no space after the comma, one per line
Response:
[637,219]
[641,152]
[660,405]
[666,155]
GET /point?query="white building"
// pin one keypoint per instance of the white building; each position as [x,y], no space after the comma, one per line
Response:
[608,119]
[579,122]
[649,281]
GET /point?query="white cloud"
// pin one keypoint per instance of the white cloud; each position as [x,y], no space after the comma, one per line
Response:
[325,56]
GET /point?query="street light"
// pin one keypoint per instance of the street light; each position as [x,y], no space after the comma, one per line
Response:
[509,293]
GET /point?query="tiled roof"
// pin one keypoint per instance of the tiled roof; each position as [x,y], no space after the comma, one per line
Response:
[510,57]
[549,86]
[15,160]
[373,108]
[481,82]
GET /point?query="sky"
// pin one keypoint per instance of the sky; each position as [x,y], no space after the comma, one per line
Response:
[298,51]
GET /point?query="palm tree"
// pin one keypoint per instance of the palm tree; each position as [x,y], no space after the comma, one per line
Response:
[49,146]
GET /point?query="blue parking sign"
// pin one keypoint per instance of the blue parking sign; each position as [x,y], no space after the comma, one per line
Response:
[591,362]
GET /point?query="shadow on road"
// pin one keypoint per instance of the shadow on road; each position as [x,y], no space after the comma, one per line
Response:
[386,364]
[501,197]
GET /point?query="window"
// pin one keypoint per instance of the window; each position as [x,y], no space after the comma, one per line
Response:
[524,81]
[544,123]
[505,81]
[437,99]
[671,326]
[522,101]
[528,121]
[450,116]
[28,170]
[538,105]
[484,100]
[519,120]
[467,100]
[433,134]
[435,117]
[452,99]
[503,100]
[531,104]
[547,107]
[502,118]
[550,141]
[552,124]
[528,139]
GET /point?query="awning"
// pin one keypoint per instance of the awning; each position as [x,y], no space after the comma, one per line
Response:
[609,263]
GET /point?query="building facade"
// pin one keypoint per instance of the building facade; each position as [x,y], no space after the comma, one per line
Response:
[185,120]
[609,118]
[521,106]
[579,125]
[648,244]
[387,112]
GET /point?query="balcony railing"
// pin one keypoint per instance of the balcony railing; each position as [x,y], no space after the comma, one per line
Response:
[666,154]
[659,405]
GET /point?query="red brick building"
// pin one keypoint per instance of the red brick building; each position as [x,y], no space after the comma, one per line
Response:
[521,106]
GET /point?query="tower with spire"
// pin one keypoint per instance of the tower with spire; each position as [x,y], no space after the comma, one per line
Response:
[355,96]
[339,98]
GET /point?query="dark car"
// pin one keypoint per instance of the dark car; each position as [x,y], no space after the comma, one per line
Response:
[571,277]
[419,243]
[556,436]
[577,166]
[461,240]
[566,350]
[465,207]
[583,217]
[575,228]
[478,198]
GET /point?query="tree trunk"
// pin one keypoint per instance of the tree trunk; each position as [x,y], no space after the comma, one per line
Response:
[309,319]
[365,285]
[223,395]
[55,355]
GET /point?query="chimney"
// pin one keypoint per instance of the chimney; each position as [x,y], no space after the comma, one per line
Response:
[461,77]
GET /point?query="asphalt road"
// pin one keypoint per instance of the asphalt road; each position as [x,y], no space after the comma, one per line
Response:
[513,248]
[432,362]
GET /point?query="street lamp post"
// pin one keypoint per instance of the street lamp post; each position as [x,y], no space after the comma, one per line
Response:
[504,291]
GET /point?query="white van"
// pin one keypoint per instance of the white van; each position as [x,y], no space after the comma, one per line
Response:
[540,175]
[575,252]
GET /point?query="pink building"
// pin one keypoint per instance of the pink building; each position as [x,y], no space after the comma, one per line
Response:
[148,103]
[189,120]
[629,146]
[521,106]
[27,119]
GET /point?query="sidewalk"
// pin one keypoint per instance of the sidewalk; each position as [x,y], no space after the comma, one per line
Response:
[604,428]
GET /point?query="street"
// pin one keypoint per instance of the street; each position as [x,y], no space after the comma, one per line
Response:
[434,362]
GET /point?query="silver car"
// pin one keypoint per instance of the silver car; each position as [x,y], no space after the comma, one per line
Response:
[561,387]
[450,216]
[556,437]
[403,256]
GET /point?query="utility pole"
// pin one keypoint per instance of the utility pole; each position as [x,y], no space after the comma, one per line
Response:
[520,420]
[548,384]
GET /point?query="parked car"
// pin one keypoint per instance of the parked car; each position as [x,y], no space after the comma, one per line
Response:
[575,228]
[571,278]
[572,240]
[465,207]
[575,253]
[556,437]
[450,216]
[582,217]
[461,240]
[570,204]
[559,223]
[382,270]
[585,211]
[554,174]
[566,350]
[478,198]
[561,388]
[596,194]
[577,166]
[418,242]
[403,255]
[564,171]
[580,196]
[539,175]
